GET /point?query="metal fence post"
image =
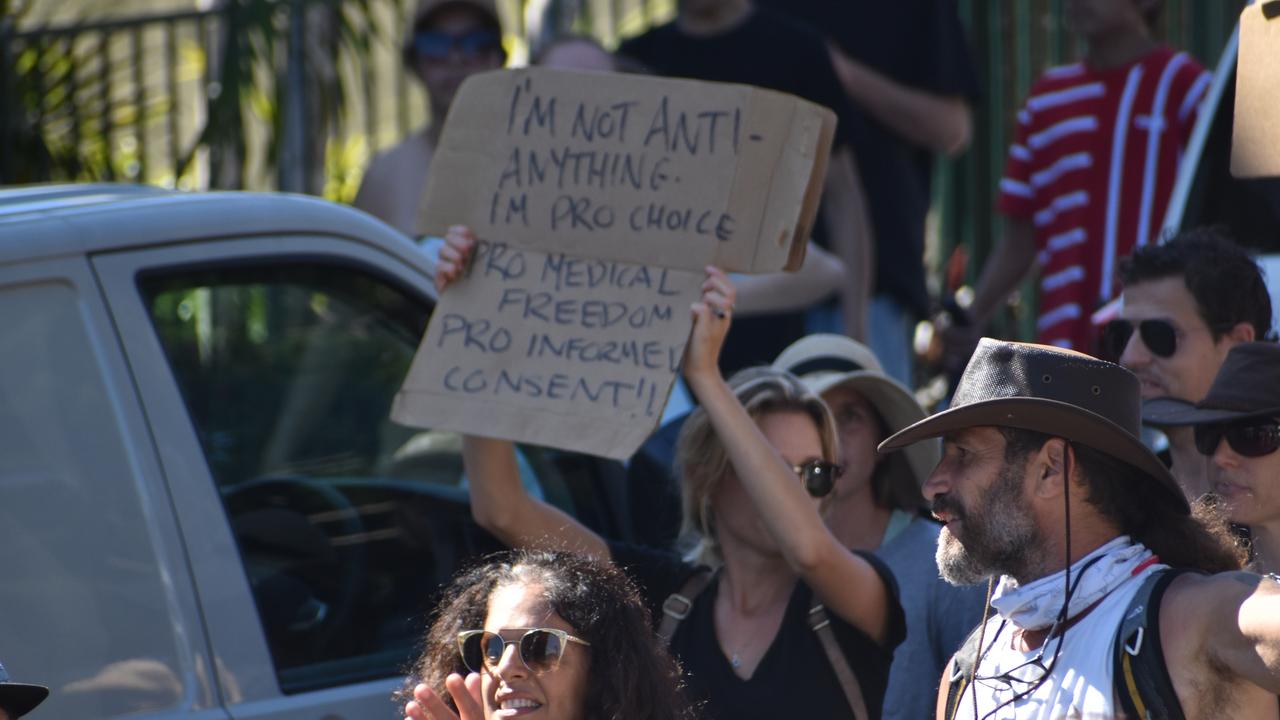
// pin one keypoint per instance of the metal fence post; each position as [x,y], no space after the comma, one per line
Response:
[291,175]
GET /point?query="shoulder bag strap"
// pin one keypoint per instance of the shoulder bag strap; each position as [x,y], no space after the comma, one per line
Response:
[821,625]
[1142,682]
[678,604]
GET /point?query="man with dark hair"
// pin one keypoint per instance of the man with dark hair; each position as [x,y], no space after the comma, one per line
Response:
[1238,425]
[1186,303]
[18,699]
[1045,487]
[1090,170]
[448,41]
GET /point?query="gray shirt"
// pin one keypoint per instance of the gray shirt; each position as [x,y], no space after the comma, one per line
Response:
[939,617]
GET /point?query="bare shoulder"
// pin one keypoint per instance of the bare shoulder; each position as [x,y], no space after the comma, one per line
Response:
[1196,605]
[1217,632]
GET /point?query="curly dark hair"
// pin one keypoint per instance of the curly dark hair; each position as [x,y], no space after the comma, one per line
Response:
[1202,540]
[1224,279]
[631,674]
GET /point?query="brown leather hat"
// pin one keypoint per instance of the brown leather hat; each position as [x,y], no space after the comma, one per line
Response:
[1246,386]
[1047,389]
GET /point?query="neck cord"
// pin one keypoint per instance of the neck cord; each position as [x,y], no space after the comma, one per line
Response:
[1062,613]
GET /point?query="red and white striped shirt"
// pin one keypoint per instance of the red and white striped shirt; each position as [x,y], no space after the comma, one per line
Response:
[1092,165]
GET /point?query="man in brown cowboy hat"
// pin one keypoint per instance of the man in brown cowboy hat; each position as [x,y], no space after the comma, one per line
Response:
[876,505]
[1045,489]
[18,699]
[1238,426]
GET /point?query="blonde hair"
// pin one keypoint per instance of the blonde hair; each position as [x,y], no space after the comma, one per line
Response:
[702,461]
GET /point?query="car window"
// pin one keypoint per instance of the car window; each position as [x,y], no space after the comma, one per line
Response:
[346,522]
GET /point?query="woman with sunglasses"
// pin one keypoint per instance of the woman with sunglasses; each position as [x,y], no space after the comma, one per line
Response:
[756,459]
[544,634]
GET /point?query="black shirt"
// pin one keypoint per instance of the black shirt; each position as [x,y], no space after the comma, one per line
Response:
[920,43]
[794,678]
[769,50]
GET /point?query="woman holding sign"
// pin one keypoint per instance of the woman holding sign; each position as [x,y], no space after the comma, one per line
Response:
[777,618]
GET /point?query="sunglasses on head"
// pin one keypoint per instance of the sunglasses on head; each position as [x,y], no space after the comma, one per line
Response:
[1160,336]
[435,45]
[819,476]
[1252,438]
[540,649]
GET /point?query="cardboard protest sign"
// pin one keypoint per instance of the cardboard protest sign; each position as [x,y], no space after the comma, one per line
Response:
[1255,143]
[552,349]
[678,173]
[598,200]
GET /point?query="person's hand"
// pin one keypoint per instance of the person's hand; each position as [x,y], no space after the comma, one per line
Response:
[459,243]
[427,705]
[958,344]
[711,317]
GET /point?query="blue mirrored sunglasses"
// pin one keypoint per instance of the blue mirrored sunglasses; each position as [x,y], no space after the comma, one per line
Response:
[435,45]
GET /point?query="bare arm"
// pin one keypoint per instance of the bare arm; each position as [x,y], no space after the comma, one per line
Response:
[501,505]
[940,123]
[499,502]
[821,274]
[944,684]
[845,212]
[1246,642]
[847,584]
[1006,266]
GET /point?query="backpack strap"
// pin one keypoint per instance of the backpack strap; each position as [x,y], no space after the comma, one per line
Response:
[678,604]
[962,665]
[1141,679]
[821,625]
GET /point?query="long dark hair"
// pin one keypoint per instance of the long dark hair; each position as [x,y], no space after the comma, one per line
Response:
[1202,540]
[631,674]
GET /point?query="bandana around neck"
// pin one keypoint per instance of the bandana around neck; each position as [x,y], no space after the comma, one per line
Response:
[1036,605]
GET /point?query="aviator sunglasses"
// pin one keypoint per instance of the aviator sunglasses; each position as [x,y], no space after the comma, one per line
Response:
[819,476]
[435,45]
[1252,438]
[540,649]
[1160,336]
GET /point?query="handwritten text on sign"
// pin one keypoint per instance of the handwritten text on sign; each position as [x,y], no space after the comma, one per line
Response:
[599,199]
[538,344]
[666,172]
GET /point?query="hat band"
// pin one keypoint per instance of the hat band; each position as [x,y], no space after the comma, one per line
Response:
[824,364]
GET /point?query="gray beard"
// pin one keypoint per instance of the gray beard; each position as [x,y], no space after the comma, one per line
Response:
[1000,538]
[955,565]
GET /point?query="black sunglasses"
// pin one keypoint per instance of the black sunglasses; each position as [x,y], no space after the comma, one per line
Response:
[540,648]
[819,476]
[435,45]
[1160,336]
[1251,438]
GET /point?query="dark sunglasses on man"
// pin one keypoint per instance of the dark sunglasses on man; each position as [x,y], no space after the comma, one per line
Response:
[819,476]
[436,45]
[1160,336]
[1248,438]
[540,649]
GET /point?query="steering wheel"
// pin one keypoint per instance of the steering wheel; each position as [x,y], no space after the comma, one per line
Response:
[300,543]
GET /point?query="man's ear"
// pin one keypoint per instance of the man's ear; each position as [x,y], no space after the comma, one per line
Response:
[1050,465]
[1241,332]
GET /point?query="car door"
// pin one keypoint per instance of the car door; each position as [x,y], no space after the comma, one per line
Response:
[318,530]
[96,600]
